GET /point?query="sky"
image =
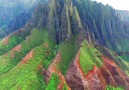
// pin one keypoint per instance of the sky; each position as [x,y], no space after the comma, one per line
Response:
[117,4]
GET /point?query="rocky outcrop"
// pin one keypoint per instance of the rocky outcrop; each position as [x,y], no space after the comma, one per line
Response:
[68,23]
[53,68]
[18,22]
[120,78]
[75,76]
[98,78]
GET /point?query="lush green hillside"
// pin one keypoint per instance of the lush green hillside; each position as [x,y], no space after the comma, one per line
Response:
[89,57]
[66,45]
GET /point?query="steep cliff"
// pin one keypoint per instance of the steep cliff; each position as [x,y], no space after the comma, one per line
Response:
[66,45]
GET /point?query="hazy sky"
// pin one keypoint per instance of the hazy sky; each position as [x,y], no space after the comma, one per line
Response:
[117,4]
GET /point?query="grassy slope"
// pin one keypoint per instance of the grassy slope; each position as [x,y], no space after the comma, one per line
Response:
[53,83]
[113,88]
[89,57]
[123,62]
[123,46]
[68,51]
[26,76]
[12,42]
[36,38]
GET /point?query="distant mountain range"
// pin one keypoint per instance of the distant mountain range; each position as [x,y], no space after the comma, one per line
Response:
[124,15]
[10,9]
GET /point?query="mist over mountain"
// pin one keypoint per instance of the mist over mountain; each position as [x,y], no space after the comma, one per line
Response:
[63,45]
[13,3]
[124,15]
[12,9]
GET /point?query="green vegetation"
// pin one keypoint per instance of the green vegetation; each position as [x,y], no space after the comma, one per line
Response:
[36,38]
[69,23]
[12,42]
[65,87]
[89,56]
[27,76]
[121,63]
[68,51]
[113,88]
[53,83]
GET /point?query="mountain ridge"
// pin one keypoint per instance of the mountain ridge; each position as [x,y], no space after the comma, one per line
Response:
[67,45]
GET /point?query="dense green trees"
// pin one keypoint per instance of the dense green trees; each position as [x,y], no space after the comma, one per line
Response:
[36,38]
[11,43]
[103,23]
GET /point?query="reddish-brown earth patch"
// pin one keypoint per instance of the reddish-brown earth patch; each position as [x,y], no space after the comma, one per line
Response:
[77,80]
[120,78]
[53,68]
[96,79]
[13,51]
[75,76]
[40,67]
[6,40]
[16,49]
[26,58]
[62,83]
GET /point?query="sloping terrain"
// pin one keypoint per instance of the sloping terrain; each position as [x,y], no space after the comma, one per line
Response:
[67,45]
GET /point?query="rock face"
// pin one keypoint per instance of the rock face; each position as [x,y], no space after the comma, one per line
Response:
[118,76]
[19,21]
[98,78]
[63,26]
[75,76]
[52,68]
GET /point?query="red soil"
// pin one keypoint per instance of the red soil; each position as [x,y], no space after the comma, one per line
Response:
[97,79]
[54,69]
[92,75]
[26,58]
[6,40]
[16,49]
[120,78]
[62,79]
[13,51]
[40,67]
